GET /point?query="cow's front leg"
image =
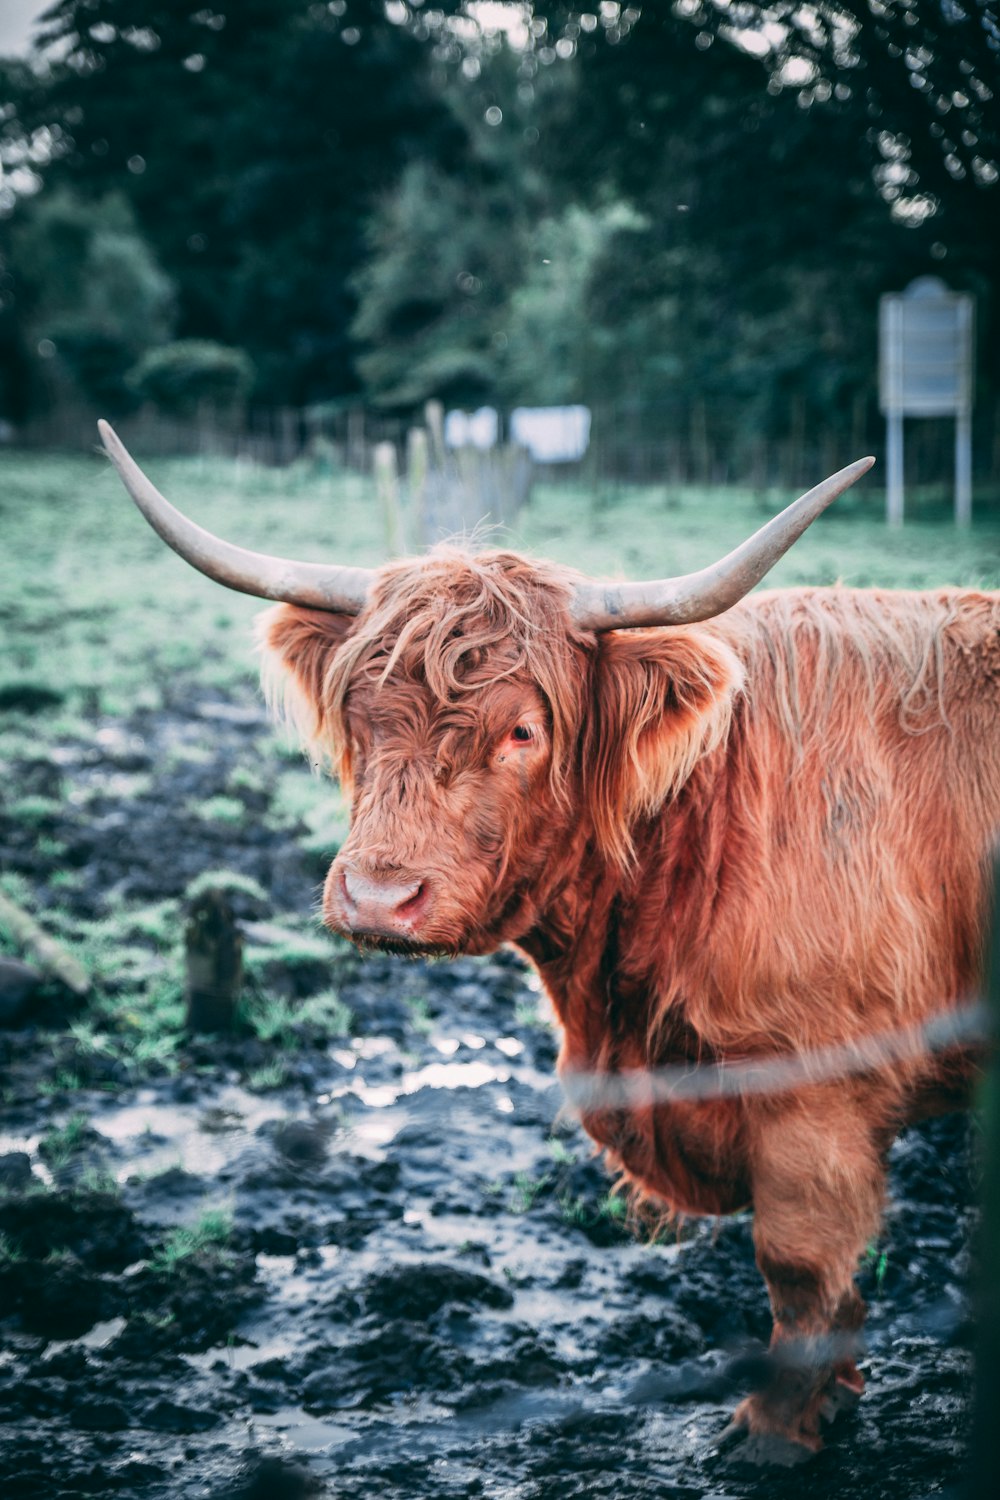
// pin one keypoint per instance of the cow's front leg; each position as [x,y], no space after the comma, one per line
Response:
[818,1184]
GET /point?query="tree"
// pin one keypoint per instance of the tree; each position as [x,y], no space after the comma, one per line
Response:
[88,297]
[251,140]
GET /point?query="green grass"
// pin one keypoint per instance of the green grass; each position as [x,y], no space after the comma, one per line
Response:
[58,1147]
[98,611]
[658,530]
[210,1235]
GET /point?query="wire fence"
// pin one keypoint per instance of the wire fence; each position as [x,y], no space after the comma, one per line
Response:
[638,440]
[641,1088]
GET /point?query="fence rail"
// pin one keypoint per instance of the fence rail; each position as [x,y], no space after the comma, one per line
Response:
[632,442]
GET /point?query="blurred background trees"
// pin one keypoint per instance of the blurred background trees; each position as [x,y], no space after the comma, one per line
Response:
[687,210]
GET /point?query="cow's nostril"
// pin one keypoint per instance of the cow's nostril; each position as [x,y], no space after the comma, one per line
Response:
[412,900]
[383,897]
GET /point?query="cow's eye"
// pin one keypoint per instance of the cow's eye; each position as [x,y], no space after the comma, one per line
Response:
[522,733]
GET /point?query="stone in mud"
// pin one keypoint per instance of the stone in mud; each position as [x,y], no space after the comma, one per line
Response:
[274,1479]
[95,1227]
[18,982]
[303,1141]
[60,1301]
[172,1416]
[419,1291]
[15,1171]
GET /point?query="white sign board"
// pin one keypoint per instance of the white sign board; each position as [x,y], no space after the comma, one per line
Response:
[551,434]
[926,362]
[477,429]
[925,351]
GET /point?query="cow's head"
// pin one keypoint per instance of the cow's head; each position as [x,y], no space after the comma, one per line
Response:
[487,714]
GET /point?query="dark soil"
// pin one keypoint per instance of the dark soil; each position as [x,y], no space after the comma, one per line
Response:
[415,1282]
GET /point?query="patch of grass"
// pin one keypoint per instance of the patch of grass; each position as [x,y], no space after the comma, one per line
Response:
[528,1014]
[526,1190]
[420,1016]
[275,1019]
[57,1147]
[877,1261]
[10,1251]
[230,881]
[574,1210]
[271,1018]
[146,1027]
[327,1013]
[316,802]
[209,1235]
[64,1082]
[35,811]
[270,1076]
[88,1040]
[613,1206]
[242,780]
[99,1180]
[220,809]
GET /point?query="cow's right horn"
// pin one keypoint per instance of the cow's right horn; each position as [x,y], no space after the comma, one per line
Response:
[702,595]
[315,585]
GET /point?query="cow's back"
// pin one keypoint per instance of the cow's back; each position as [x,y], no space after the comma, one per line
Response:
[824,868]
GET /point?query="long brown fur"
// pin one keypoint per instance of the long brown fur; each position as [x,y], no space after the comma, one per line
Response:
[760,834]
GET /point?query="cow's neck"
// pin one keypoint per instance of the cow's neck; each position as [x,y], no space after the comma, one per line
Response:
[603,943]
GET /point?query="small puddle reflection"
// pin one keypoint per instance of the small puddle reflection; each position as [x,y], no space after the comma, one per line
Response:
[201,1137]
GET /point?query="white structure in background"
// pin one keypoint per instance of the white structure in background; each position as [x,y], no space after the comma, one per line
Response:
[478,429]
[926,370]
[551,434]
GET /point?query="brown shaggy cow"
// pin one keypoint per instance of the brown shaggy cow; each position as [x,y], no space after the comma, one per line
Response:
[732,839]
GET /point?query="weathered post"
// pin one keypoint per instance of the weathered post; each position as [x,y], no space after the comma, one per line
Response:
[387,488]
[985,1447]
[213,951]
[417,466]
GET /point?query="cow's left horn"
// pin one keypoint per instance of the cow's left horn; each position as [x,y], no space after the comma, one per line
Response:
[700,596]
[315,585]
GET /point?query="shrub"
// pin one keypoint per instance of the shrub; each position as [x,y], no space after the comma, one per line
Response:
[194,375]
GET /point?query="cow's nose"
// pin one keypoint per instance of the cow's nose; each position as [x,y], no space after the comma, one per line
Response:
[381,903]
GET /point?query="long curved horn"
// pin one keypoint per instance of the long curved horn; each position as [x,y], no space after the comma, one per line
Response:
[702,595]
[315,585]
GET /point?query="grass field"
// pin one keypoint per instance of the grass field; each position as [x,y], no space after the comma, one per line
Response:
[97,610]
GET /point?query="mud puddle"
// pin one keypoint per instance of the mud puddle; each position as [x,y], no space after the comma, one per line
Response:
[385,1262]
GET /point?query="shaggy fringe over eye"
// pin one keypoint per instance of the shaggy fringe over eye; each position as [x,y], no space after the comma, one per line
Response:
[460,623]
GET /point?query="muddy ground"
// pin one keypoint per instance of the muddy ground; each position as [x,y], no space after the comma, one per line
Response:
[355,1250]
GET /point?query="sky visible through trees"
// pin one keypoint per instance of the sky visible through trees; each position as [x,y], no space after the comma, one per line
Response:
[382,200]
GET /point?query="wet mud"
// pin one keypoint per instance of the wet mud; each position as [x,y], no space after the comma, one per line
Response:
[393,1266]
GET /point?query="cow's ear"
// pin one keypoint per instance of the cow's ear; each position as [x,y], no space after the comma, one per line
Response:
[297,647]
[663,699]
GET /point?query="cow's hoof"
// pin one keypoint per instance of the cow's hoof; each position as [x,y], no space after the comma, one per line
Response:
[841,1395]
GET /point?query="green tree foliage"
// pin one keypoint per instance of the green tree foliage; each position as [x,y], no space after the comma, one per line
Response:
[194,376]
[251,139]
[551,350]
[695,202]
[790,178]
[445,253]
[87,295]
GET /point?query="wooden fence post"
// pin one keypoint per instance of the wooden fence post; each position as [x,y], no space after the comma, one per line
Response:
[213,963]
[387,488]
[985,1446]
[417,466]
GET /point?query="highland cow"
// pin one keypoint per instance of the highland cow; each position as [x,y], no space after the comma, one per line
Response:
[721,827]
